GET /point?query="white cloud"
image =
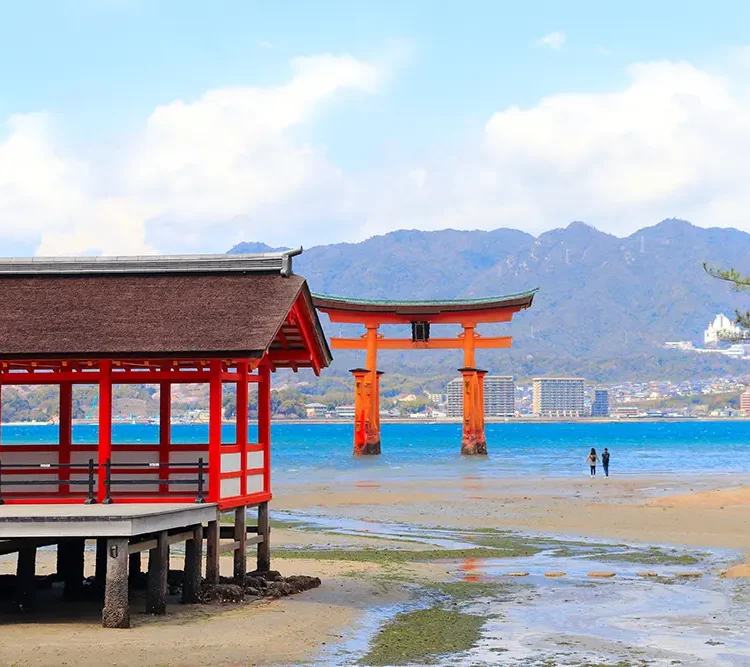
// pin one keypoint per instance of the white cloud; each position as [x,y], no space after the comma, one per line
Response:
[235,163]
[234,158]
[673,142]
[554,40]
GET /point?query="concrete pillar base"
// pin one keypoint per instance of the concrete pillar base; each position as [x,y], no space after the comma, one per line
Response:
[116,612]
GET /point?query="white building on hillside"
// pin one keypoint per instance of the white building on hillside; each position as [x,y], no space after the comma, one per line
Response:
[721,328]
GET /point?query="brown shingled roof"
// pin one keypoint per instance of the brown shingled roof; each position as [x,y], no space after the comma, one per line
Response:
[148,316]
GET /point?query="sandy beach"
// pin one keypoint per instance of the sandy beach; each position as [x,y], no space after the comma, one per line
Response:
[703,512]
[709,513]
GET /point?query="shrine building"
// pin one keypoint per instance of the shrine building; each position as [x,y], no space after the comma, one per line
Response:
[218,320]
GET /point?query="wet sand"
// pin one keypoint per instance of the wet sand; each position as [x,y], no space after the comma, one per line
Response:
[710,512]
[700,512]
[287,631]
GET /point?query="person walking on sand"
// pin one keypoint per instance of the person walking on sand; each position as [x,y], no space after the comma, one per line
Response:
[605,462]
[592,458]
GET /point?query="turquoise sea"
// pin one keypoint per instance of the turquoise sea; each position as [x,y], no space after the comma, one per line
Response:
[314,452]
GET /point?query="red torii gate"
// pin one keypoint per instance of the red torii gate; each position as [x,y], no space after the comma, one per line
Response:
[420,315]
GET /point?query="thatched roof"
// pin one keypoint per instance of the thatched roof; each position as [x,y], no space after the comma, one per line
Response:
[176,308]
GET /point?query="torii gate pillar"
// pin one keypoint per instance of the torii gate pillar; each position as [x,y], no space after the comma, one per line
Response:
[366,411]
[473,440]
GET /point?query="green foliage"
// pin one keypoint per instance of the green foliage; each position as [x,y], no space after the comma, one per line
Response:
[739,282]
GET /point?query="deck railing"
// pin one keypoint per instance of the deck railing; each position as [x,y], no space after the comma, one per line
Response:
[58,480]
[109,481]
[114,474]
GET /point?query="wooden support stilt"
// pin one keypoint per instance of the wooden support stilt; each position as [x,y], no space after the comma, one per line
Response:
[116,612]
[100,573]
[25,582]
[212,553]
[193,558]
[60,558]
[72,562]
[264,547]
[158,569]
[240,536]
[134,566]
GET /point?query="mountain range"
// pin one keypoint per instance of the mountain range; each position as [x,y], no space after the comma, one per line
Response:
[605,306]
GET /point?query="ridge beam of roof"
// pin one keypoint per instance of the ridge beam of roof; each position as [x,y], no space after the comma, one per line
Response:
[276,262]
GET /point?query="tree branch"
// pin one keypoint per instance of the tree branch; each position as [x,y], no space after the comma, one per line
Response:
[733,276]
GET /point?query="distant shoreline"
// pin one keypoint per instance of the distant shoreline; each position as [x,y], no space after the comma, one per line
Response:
[430,422]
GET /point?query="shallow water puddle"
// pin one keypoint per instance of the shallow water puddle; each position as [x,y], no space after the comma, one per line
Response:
[446,539]
[574,619]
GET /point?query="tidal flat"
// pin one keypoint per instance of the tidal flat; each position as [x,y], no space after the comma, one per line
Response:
[484,597]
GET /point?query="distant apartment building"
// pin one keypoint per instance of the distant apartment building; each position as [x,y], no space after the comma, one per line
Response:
[345,411]
[455,404]
[600,403]
[499,396]
[745,402]
[627,411]
[316,410]
[558,397]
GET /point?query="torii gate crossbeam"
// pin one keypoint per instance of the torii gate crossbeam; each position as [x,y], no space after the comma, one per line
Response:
[420,315]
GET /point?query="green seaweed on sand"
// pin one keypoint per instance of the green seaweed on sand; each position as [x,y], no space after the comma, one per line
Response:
[467,591]
[385,556]
[420,636]
[651,556]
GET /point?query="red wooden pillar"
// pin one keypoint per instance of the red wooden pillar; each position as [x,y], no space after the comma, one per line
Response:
[361,409]
[241,421]
[105,424]
[165,432]
[473,440]
[264,422]
[376,416]
[1,414]
[214,431]
[482,435]
[372,389]
[66,434]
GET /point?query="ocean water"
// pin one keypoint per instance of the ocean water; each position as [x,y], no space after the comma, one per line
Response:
[314,452]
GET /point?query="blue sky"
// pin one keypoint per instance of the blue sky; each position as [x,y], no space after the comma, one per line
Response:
[86,76]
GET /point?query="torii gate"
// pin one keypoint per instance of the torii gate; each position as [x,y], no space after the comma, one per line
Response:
[420,314]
